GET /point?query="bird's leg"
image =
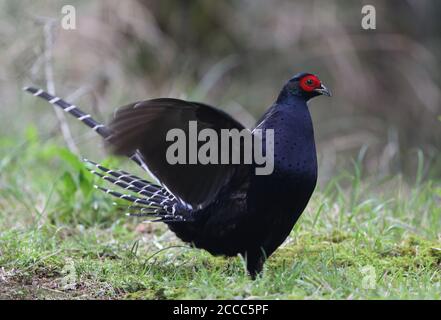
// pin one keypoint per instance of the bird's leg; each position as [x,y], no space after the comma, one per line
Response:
[254,261]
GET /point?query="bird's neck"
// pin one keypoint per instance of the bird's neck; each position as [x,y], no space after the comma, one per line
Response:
[294,146]
[290,96]
[290,111]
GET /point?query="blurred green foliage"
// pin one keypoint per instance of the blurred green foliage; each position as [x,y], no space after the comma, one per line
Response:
[237,55]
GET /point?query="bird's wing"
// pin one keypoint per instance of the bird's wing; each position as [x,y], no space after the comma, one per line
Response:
[143,126]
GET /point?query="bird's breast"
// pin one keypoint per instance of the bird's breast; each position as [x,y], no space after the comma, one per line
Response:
[295,161]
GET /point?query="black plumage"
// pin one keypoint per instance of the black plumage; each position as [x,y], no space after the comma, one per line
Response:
[225,209]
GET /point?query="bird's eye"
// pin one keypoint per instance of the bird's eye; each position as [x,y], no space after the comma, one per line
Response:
[309,83]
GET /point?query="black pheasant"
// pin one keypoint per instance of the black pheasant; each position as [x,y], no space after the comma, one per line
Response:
[225,209]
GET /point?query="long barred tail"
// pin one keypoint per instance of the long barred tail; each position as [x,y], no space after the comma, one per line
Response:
[152,200]
[85,118]
[130,182]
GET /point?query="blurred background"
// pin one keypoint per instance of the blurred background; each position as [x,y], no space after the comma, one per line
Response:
[236,55]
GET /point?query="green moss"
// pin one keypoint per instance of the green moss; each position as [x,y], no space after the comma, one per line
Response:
[341,240]
[336,236]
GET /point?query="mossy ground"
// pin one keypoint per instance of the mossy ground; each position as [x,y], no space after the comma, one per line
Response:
[61,239]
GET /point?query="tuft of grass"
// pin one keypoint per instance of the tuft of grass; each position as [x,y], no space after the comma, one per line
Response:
[59,238]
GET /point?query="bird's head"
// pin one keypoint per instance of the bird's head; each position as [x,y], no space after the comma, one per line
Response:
[306,85]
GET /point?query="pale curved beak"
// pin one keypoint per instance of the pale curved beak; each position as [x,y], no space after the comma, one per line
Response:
[324,91]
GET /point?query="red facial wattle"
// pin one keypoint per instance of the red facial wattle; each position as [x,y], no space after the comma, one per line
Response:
[309,83]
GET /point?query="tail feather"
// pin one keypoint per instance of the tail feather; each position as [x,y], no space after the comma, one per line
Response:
[144,207]
[133,181]
[135,211]
[141,211]
[149,196]
[119,183]
[153,200]
[131,198]
[99,128]
[85,118]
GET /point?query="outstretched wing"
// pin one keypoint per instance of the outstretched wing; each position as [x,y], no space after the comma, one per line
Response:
[144,125]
